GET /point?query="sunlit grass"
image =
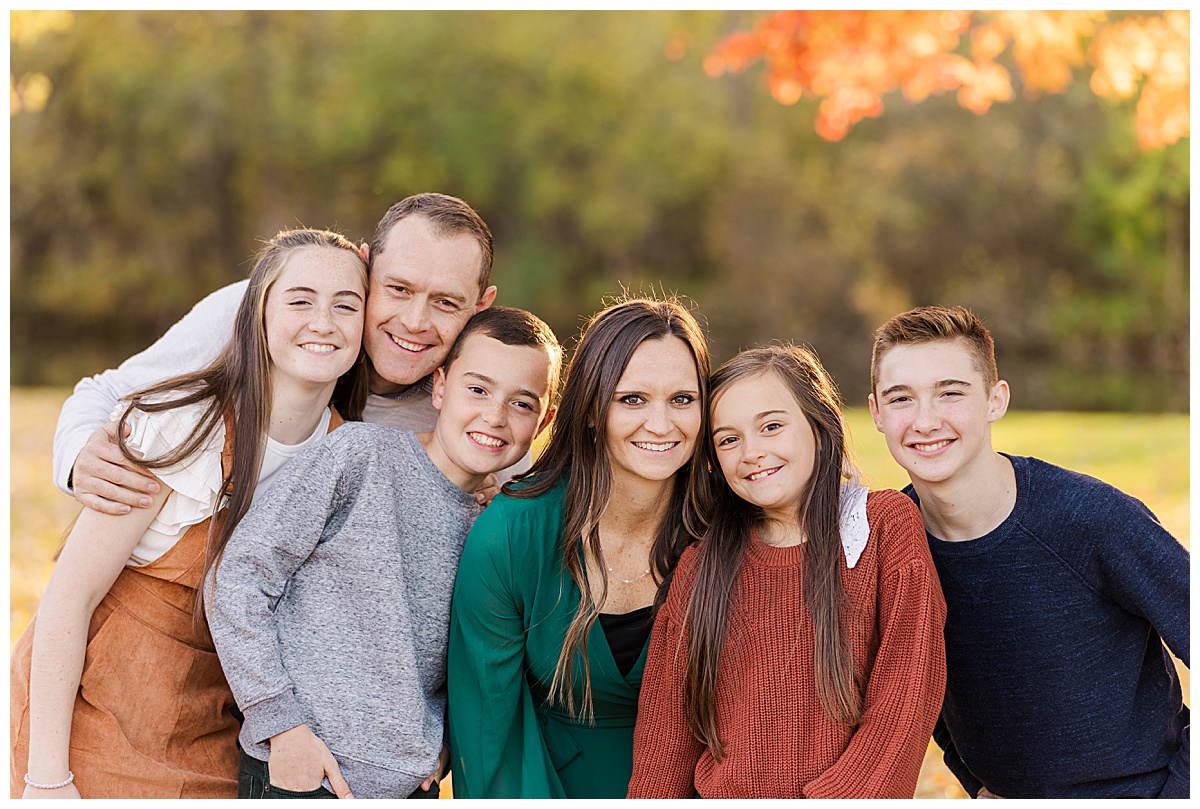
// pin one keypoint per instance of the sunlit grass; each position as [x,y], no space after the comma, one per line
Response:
[1144,455]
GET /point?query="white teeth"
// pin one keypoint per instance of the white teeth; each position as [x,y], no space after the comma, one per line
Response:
[934,447]
[486,440]
[655,447]
[761,475]
[407,346]
[318,348]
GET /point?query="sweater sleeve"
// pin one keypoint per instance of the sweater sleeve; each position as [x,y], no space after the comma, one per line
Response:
[907,680]
[496,743]
[189,345]
[1148,572]
[954,762]
[1145,569]
[268,546]
[665,752]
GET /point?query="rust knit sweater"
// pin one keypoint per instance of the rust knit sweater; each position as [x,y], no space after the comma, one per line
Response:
[779,741]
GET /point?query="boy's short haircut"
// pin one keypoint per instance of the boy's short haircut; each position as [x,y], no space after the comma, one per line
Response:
[513,327]
[927,324]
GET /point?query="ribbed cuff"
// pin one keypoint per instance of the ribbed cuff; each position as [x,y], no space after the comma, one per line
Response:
[272,716]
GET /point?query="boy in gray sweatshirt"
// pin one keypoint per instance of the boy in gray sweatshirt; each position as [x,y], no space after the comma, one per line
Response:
[330,606]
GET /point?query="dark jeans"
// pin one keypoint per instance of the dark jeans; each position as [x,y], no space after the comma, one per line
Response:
[254,782]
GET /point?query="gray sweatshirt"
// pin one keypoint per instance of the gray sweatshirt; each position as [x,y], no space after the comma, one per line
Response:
[332,605]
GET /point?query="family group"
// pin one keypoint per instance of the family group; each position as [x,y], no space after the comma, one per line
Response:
[318,559]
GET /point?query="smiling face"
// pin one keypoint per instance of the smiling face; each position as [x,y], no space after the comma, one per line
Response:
[935,409]
[493,400]
[313,316]
[655,413]
[764,444]
[424,288]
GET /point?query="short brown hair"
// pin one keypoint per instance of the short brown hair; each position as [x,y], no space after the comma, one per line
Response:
[927,324]
[449,216]
[513,327]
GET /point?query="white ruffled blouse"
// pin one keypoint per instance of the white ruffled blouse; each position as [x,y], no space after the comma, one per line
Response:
[196,480]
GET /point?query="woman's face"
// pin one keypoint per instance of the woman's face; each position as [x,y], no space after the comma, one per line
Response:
[765,445]
[314,316]
[654,415]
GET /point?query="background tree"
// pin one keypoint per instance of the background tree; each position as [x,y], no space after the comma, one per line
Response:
[152,150]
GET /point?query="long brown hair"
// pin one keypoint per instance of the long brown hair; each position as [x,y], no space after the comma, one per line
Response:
[729,521]
[237,386]
[578,453]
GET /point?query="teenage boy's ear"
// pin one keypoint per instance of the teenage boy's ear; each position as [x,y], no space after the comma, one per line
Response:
[874,408]
[439,387]
[998,401]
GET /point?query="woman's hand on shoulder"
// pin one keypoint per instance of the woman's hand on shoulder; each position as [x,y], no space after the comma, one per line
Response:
[487,490]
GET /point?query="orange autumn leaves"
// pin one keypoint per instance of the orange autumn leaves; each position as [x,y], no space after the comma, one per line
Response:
[851,59]
[1154,49]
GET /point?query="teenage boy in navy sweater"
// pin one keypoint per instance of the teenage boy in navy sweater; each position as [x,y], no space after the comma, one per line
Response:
[1060,589]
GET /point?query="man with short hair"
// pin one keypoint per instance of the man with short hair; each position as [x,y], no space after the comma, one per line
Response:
[1060,589]
[429,267]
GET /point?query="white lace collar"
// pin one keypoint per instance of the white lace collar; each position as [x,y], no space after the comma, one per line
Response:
[853,522]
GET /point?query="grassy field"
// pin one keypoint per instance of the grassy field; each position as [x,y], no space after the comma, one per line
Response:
[1146,456]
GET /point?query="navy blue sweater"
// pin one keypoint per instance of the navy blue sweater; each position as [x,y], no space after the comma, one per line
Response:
[1058,685]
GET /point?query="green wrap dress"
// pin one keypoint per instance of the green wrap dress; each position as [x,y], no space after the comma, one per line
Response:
[513,602]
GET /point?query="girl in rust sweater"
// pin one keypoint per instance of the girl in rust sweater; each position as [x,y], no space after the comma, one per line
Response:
[800,650]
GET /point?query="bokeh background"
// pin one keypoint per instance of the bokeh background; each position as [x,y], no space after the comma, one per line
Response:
[797,175]
[152,151]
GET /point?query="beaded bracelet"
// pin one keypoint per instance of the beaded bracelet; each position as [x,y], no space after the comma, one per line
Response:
[36,785]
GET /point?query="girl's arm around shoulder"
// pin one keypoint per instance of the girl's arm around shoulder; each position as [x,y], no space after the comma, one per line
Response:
[94,555]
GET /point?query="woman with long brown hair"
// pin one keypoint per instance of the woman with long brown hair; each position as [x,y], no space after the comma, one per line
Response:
[800,651]
[555,590]
[116,688]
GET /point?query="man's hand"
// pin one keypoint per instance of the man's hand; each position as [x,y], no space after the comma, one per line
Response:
[299,760]
[489,488]
[443,764]
[105,480]
[984,792]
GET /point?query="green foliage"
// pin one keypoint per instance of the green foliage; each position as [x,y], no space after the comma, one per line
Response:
[173,142]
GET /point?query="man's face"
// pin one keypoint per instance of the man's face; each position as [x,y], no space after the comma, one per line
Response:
[423,289]
[935,409]
[493,400]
